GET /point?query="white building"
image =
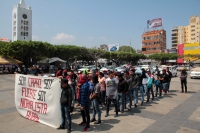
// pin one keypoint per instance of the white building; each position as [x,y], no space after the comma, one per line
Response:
[21,22]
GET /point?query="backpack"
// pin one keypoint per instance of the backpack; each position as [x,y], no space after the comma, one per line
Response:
[149,84]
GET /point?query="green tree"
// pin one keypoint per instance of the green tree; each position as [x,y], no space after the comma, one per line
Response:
[126,49]
[163,57]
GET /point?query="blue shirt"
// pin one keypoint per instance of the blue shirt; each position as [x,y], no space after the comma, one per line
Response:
[85,94]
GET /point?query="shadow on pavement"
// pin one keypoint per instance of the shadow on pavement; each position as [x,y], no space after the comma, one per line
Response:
[105,125]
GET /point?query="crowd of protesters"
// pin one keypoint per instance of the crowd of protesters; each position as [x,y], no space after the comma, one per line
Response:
[96,90]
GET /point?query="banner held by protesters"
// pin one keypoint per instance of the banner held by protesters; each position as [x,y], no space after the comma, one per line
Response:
[38,99]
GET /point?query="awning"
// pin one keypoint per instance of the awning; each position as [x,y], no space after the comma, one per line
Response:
[171,61]
[55,59]
[9,60]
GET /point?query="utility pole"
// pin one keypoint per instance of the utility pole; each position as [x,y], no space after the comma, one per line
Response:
[130,45]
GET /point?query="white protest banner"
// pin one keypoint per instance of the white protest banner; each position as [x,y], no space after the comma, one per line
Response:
[38,99]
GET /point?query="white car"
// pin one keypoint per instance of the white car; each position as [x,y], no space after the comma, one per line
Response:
[104,69]
[195,73]
[120,69]
[82,69]
[154,69]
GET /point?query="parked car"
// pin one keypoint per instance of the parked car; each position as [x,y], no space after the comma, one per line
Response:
[173,70]
[146,67]
[119,69]
[138,70]
[179,68]
[195,73]
[154,69]
[104,69]
[82,69]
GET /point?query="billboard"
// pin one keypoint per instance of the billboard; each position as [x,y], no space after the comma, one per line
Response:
[154,23]
[113,47]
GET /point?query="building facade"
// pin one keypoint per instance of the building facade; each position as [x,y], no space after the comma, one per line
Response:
[188,49]
[104,47]
[186,34]
[153,42]
[21,22]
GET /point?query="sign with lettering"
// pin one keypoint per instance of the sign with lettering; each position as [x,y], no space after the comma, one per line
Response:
[38,99]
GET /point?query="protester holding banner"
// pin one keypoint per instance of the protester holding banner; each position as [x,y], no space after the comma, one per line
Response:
[66,101]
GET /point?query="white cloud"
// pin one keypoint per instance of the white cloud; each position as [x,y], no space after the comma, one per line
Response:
[35,38]
[102,38]
[63,38]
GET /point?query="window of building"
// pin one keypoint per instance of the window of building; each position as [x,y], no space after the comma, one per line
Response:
[144,49]
[26,28]
[22,33]
[192,30]
[14,22]
[14,34]
[26,33]
[192,26]
[26,22]
[192,34]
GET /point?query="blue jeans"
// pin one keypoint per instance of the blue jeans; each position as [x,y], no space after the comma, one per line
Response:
[165,86]
[65,112]
[122,97]
[136,94]
[130,95]
[145,89]
[96,109]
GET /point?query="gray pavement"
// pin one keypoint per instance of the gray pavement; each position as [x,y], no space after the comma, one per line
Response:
[174,113]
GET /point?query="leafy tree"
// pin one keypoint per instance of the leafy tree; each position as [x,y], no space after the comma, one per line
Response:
[190,57]
[126,49]
[163,57]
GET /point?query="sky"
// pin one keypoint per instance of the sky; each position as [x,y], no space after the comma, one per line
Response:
[90,23]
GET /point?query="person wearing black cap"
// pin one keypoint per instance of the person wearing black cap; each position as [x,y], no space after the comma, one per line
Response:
[66,102]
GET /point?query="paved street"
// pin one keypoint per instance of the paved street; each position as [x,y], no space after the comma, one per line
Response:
[174,113]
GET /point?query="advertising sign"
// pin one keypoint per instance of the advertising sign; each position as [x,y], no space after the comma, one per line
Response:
[113,47]
[154,23]
[38,99]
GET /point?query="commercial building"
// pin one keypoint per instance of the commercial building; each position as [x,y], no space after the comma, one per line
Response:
[21,22]
[104,47]
[188,49]
[186,34]
[153,42]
